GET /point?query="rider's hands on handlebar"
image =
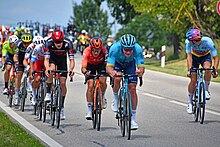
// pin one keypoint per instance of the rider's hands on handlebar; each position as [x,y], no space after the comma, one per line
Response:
[139,72]
[214,73]
[87,72]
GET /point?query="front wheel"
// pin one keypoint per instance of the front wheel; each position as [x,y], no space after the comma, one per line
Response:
[202,103]
[99,109]
[121,114]
[59,106]
[128,114]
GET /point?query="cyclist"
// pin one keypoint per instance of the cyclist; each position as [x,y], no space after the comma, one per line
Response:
[199,50]
[94,61]
[9,57]
[37,63]
[126,55]
[22,45]
[56,49]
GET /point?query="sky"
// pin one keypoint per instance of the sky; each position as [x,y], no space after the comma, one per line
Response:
[44,11]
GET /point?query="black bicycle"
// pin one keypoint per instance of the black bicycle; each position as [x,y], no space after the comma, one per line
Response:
[23,90]
[56,97]
[40,95]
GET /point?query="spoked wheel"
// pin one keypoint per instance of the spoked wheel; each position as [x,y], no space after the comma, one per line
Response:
[121,115]
[23,94]
[10,98]
[59,106]
[53,107]
[195,106]
[99,110]
[202,103]
[45,111]
[95,112]
[128,115]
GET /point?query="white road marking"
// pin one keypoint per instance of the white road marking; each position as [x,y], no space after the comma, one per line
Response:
[208,111]
[179,103]
[44,137]
[154,96]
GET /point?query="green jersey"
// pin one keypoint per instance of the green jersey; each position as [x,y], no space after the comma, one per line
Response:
[7,49]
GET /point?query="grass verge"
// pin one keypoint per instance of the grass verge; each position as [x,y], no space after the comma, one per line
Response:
[12,135]
[174,67]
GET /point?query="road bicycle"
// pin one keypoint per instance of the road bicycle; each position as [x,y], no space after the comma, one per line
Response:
[23,94]
[40,95]
[11,88]
[199,98]
[97,101]
[125,105]
[56,97]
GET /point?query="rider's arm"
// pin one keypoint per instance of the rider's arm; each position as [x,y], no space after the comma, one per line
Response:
[216,62]
[189,60]
[85,60]
[15,58]
[139,60]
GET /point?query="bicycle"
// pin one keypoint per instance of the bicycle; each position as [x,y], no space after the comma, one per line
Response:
[125,105]
[23,94]
[11,89]
[199,98]
[56,97]
[97,101]
[40,95]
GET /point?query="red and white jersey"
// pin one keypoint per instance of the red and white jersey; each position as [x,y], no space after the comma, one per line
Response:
[38,53]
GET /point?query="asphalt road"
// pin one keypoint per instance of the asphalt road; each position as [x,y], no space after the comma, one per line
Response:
[161,116]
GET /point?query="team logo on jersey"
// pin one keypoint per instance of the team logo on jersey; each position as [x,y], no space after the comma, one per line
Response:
[218,7]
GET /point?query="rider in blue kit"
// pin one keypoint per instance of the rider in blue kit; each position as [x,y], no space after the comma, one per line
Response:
[126,55]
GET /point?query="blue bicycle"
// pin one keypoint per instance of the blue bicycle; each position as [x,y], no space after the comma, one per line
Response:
[199,99]
[125,106]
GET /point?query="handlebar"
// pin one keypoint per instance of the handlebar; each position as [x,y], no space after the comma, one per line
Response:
[60,72]
[96,76]
[132,75]
[201,69]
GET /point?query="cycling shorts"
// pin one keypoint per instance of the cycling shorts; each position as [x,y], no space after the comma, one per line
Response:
[99,69]
[39,66]
[128,68]
[196,61]
[60,62]
[9,59]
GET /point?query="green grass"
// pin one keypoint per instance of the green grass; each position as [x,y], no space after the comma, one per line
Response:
[175,67]
[12,135]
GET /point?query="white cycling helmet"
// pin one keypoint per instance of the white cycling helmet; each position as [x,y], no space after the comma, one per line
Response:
[38,40]
[13,39]
[83,32]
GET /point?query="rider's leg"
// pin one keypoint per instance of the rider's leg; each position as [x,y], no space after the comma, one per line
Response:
[207,75]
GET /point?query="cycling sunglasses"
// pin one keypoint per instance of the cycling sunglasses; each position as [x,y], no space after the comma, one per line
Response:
[96,50]
[128,49]
[195,41]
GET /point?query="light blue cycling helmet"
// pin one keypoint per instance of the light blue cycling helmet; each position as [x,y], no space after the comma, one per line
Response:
[127,41]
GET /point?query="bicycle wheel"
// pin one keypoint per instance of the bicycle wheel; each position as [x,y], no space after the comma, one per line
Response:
[23,93]
[99,109]
[41,100]
[202,103]
[10,94]
[59,106]
[95,112]
[53,106]
[194,102]
[121,114]
[10,98]
[128,114]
